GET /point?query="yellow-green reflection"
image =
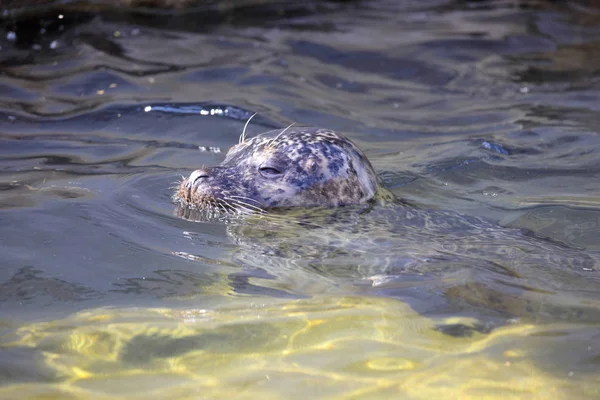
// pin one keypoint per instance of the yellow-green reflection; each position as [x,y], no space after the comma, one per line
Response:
[328,347]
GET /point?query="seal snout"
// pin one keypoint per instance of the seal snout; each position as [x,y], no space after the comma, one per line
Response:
[204,183]
[196,181]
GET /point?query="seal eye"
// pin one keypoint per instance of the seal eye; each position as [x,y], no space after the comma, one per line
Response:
[269,172]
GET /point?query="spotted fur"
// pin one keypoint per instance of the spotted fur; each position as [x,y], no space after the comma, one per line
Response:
[283,168]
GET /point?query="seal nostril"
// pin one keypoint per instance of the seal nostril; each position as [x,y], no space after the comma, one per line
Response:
[198,175]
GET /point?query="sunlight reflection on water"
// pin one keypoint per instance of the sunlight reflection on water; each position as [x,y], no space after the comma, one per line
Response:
[325,347]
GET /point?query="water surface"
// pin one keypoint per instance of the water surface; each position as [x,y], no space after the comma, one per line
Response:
[482,108]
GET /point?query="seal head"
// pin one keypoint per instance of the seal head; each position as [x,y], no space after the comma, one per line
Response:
[295,167]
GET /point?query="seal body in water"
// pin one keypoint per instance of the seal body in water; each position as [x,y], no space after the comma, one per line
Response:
[304,167]
[454,258]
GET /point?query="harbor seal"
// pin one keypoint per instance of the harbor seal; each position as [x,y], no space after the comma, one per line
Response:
[293,167]
[457,262]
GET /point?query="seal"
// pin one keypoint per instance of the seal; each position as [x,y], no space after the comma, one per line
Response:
[454,261]
[293,167]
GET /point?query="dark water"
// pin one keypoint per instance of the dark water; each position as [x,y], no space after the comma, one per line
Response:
[489,109]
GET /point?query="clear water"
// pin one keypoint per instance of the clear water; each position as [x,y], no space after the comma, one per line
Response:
[489,109]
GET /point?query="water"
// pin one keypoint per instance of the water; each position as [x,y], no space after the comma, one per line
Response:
[488,109]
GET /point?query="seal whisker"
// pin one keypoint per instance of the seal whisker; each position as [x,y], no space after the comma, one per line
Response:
[247,207]
[243,200]
[224,207]
[242,211]
[178,183]
[238,197]
[227,206]
[233,196]
[243,135]
[280,133]
[248,210]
